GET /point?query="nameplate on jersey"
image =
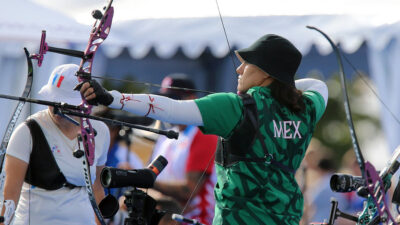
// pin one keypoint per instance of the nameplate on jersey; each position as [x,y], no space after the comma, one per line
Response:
[287,129]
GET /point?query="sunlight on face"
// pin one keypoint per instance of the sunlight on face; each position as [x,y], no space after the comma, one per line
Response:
[250,76]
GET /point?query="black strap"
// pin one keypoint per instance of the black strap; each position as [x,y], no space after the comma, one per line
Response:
[43,170]
[267,155]
[268,158]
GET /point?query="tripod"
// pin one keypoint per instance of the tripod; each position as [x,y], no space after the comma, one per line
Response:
[141,208]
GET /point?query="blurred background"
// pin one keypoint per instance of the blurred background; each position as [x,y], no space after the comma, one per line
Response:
[150,39]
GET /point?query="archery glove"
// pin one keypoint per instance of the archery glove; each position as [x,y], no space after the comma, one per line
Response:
[102,95]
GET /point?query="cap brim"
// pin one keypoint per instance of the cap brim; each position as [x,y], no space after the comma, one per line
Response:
[45,94]
[242,56]
[239,56]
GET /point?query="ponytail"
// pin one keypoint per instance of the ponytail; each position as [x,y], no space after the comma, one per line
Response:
[287,95]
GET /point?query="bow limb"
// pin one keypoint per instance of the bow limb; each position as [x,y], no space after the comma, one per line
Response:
[12,123]
[373,182]
[359,156]
[17,112]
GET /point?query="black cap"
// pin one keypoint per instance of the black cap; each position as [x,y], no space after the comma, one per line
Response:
[179,80]
[275,55]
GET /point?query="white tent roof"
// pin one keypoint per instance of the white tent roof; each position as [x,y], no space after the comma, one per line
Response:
[22,21]
[173,28]
[193,35]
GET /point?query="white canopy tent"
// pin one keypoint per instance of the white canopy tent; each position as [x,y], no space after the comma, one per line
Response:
[195,34]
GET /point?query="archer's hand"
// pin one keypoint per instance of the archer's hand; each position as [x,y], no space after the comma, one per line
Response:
[94,93]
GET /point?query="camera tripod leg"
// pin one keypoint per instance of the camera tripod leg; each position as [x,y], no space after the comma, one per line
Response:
[335,213]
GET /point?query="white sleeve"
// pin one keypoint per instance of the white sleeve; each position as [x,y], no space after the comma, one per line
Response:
[309,84]
[159,108]
[20,144]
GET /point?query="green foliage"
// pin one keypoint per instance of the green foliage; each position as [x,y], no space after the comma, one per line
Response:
[333,130]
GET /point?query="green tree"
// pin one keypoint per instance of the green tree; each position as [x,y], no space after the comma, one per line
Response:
[333,130]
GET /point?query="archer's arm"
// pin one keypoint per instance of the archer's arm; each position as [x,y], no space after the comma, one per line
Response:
[16,165]
[15,170]
[217,113]
[154,106]
[159,108]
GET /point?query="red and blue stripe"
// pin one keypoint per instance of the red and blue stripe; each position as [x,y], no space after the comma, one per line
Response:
[57,79]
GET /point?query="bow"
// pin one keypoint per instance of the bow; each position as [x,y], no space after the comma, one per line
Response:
[13,121]
[375,183]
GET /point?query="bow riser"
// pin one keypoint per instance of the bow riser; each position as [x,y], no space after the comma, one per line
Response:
[377,192]
[99,33]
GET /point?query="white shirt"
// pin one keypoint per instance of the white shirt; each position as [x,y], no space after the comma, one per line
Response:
[62,206]
[176,152]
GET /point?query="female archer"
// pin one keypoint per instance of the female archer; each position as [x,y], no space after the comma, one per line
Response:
[264,130]
[43,177]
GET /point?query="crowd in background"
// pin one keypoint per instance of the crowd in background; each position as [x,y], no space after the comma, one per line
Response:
[319,165]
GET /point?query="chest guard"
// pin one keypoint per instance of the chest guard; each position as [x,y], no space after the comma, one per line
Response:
[234,149]
[43,170]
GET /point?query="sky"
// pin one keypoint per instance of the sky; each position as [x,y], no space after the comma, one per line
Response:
[377,12]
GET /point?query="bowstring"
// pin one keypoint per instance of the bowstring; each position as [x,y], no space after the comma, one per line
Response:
[234,69]
[153,85]
[197,185]
[226,36]
[362,77]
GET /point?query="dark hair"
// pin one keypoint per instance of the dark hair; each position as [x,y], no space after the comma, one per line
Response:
[288,96]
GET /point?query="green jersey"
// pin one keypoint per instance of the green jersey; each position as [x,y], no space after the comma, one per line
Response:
[254,192]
